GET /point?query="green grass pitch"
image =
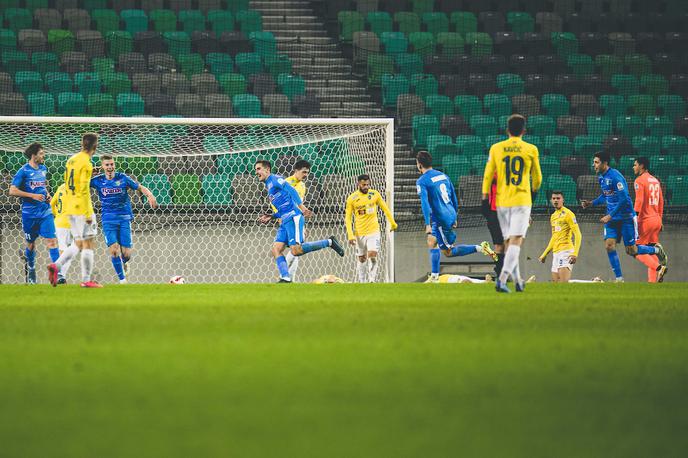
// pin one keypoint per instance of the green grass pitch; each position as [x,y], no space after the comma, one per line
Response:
[344,371]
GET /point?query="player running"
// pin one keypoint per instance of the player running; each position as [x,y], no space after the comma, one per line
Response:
[290,211]
[78,206]
[620,222]
[565,242]
[516,163]
[62,228]
[116,213]
[31,185]
[302,169]
[363,227]
[649,206]
[440,211]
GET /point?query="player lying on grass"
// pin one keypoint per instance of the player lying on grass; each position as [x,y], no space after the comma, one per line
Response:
[116,213]
[451,278]
[565,242]
[440,211]
[363,227]
[291,213]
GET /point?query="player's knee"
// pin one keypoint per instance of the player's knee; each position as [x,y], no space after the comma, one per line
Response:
[362,258]
[372,255]
[447,252]
[610,245]
[31,245]
[51,243]
[114,250]
[296,250]
[632,250]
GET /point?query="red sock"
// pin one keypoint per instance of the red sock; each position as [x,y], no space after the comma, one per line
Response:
[652,263]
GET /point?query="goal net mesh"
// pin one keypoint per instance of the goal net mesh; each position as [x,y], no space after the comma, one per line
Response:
[201,174]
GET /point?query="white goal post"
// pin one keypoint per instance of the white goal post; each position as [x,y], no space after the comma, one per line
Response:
[201,171]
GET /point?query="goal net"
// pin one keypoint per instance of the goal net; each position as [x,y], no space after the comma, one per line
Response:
[201,172]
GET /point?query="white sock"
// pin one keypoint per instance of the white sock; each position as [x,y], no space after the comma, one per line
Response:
[582,281]
[86,264]
[516,275]
[510,263]
[65,267]
[67,255]
[372,270]
[293,264]
[362,270]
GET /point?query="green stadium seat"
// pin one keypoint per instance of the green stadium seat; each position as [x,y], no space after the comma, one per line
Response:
[119,42]
[549,165]
[249,21]
[581,64]
[492,139]
[638,64]
[178,43]
[422,43]
[558,145]
[599,125]
[587,145]
[468,105]
[36,4]
[424,126]
[18,19]
[248,63]
[510,84]
[41,104]
[394,42]
[393,85]
[470,145]
[217,189]
[57,82]
[71,104]
[28,82]
[378,65]
[233,84]
[101,105]
[264,43]
[117,83]
[520,21]
[130,104]
[191,64]
[659,126]
[478,162]
[663,166]
[409,64]
[541,125]
[88,83]
[60,41]
[407,22]
[456,166]
[483,125]
[646,145]
[159,186]
[421,7]
[535,140]
[558,182]
[44,62]
[103,66]
[246,105]
[424,85]
[608,65]
[439,146]
[291,85]
[134,20]
[675,145]
[8,39]
[613,105]
[379,22]
[654,85]
[683,163]
[464,22]
[237,5]
[219,63]
[555,105]
[565,43]
[625,165]
[677,185]
[672,106]
[279,63]
[349,22]
[106,20]
[435,22]
[642,105]
[480,43]
[163,21]
[626,85]
[221,21]
[450,44]
[186,189]
[497,105]
[192,21]
[439,106]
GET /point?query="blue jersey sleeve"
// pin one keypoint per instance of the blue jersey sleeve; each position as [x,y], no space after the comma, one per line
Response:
[18,180]
[624,199]
[600,200]
[130,183]
[424,201]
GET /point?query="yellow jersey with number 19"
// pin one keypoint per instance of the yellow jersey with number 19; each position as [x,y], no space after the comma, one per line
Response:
[515,162]
[77,178]
[57,205]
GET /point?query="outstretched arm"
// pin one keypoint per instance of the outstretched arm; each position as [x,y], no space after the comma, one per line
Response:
[152,201]
[385,209]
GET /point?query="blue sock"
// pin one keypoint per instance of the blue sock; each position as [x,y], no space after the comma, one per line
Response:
[30,256]
[463,250]
[615,263]
[434,260]
[54,253]
[315,246]
[282,267]
[125,259]
[119,269]
[646,249]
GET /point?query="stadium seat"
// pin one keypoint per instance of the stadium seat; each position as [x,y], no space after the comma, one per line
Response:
[249,21]
[117,83]
[464,22]
[439,106]
[233,84]
[435,22]
[159,186]
[101,105]
[674,145]
[379,22]
[483,125]
[423,127]
[278,64]
[455,167]
[41,104]
[191,64]
[646,145]
[558,145]
[555,105]
[246,105]
[659,126]
[134,20]
[57,82]
[510,84]
[291,85]
[130,104]
[248,63]
[28,82]
[407,22]
[599,125]
[393,86]
[192,21]
[497,105]
[424,85]
[106,20]
[118,42]
[677,185]
[541,125]
[71,104]
[663,166]
[221,21]
[613,105]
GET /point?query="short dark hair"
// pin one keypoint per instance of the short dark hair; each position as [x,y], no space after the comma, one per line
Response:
[645,162]
[424,158]
[89,141]
[264,163]
[516,125]
[559,193]
[32,149]
[364,177]
[603,156]
[106,157]
[302,164]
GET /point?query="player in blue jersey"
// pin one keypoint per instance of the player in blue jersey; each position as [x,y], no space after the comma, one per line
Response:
[116,213]
[30,184]
[620,220]
[290,211]
[440,211]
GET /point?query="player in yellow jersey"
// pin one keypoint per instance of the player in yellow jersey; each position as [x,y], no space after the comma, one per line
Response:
[565,242]
[78,207]
[516,163]
[297,180]
[363,227]
[62,229]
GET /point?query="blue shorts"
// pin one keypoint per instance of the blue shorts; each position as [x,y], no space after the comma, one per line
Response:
[445,235]
[35,227]
[626,229]
[291,232]
[117,232]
